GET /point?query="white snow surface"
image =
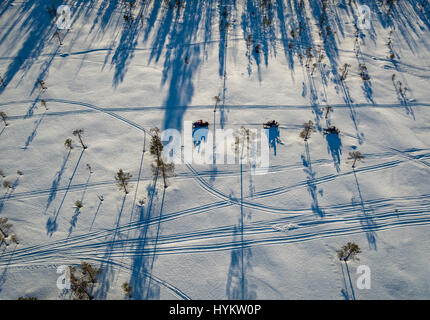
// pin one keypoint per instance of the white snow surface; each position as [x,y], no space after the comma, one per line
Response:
[216,232]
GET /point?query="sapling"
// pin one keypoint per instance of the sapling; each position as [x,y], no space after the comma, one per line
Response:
[344,71]
[122,179]
[327,110]
[308,128]
[156,149]
[349,251]
[43,103]
[217,100]
[356,156]
[42,84]
[4,117]
[79,133]
[68,144]
[89,168]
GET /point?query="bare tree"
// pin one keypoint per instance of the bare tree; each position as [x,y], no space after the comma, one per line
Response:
[122,179]
[4,117]
[349,251]
[308,128]
[79,133]
[356,156]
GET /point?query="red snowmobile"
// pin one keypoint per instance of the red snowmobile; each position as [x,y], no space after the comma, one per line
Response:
[200,124]
[331,130]
[271,124]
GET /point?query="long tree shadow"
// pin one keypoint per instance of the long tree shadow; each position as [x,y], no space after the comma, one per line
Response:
[344,291]
[124,53]
[95,214]
[74,219]
[51,223]
[181,60]
[153,290]
[34,27]
[32,19]
[107,272]
[310,182]
[273,134]
[5,269]
[367,222]
[140,269]
[56,182]
[238,286]
[31,137]
[334,147]
[258,30]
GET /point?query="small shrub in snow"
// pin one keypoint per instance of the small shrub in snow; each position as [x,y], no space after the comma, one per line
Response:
[4,230]
[127,289]
[78,204]
[7,184]
[68,144]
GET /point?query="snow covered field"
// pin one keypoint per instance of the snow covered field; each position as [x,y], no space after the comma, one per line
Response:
[217,232]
